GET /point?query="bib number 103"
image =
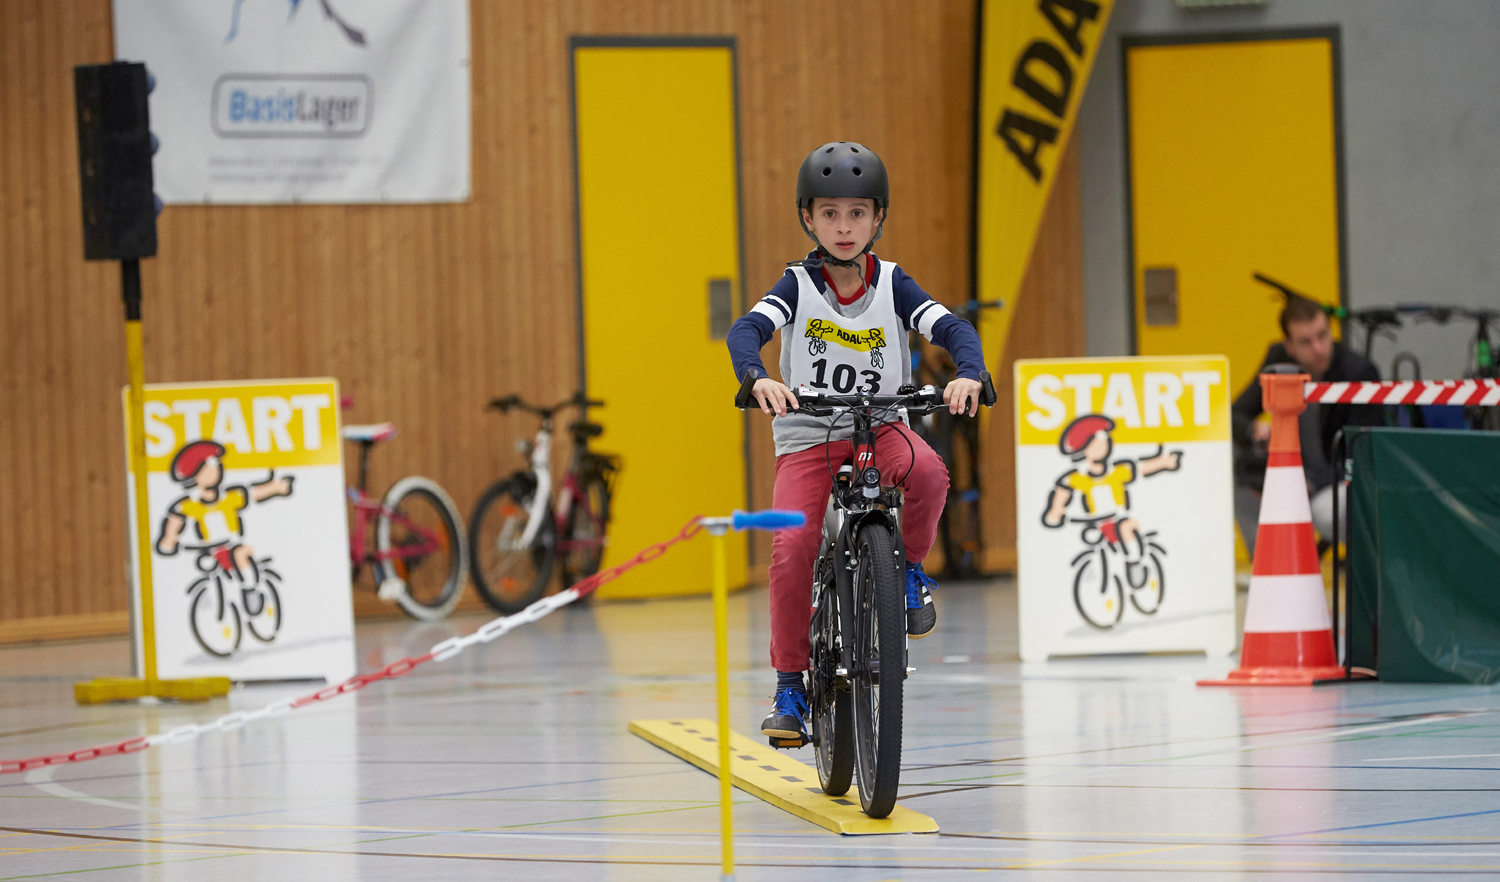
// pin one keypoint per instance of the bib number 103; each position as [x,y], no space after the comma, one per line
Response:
[843,378]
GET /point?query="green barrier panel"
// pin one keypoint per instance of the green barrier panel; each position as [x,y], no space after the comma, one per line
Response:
[1424,555]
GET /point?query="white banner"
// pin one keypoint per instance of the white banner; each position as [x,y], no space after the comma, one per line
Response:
[1124,506]
[266,101]
[249,531]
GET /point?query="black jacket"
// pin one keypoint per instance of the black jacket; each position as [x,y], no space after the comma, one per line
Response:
[1347,366]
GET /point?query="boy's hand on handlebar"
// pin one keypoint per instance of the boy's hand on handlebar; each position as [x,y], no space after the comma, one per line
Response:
[962,396]
[774,396]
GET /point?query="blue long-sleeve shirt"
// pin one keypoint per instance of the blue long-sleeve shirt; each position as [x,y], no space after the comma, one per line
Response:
[915,308]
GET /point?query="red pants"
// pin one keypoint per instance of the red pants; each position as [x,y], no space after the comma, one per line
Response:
[803,484]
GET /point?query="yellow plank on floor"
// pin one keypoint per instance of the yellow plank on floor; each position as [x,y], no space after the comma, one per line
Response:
[776,778]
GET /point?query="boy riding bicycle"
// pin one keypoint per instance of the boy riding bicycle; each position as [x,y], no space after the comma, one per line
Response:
[844,316]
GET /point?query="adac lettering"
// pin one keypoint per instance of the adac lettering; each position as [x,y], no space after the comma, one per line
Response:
[819,332]
[1044,74]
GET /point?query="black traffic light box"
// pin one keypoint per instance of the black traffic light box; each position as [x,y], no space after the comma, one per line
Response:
[114,161]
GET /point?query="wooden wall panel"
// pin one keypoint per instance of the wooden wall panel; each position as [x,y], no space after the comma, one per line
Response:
[424,312]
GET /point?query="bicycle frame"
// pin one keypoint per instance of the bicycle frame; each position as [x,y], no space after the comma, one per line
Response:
[540,476]
[367,509]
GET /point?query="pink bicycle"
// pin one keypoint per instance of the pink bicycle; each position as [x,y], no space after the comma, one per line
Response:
[418,553]
[517,534]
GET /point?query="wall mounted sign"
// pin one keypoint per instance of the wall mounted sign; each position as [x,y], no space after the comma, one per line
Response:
[261,101]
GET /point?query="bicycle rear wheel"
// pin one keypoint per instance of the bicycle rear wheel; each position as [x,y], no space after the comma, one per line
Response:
[508,575]
[880,659]
[583,536]
[418,539]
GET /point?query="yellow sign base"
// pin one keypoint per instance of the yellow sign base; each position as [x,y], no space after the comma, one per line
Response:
[130,689]
[776,778]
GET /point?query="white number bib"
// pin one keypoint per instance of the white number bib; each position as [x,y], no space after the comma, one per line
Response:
[833,353]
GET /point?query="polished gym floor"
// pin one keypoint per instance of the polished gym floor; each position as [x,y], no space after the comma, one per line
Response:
[513,761]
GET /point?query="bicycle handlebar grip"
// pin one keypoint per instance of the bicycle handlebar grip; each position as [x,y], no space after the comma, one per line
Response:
[743,398]
[987,394]
[770,519]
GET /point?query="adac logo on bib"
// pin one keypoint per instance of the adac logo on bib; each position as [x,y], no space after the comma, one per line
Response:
[819,332]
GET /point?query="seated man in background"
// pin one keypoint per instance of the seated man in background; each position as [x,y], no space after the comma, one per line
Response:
[1307,341]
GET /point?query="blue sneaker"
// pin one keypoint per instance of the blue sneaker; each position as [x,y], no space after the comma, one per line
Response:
[921,614]
[785,718]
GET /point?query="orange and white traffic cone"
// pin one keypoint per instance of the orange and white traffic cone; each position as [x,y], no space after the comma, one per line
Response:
[1288,637]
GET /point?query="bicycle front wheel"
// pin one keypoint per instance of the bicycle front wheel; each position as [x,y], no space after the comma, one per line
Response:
[418,540]
[509,576]
[880,658]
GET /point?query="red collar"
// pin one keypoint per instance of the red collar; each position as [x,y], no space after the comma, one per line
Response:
[859,292]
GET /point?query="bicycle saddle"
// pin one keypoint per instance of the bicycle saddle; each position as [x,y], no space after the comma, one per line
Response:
[369,434]
[585,429]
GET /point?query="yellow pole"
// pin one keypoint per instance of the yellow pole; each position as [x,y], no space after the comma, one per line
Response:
[136,360]
[129,688]
[721,662]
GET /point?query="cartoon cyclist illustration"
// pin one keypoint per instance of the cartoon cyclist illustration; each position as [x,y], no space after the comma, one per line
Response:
[243,587]
[1121,558]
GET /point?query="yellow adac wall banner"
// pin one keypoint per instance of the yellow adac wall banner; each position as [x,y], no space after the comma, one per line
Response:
[1124,506]
[249,533]
[1034,63]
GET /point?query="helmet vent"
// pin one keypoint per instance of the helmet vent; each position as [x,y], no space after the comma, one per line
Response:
[829,150]
[827,171]
[853,149]
[856,170]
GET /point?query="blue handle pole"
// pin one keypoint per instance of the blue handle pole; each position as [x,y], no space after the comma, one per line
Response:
[770,519]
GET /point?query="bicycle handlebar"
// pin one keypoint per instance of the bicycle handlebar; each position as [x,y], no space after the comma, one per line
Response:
[817,403]
[514,402]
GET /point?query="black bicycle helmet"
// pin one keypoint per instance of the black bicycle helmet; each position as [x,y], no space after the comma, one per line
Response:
[841,169]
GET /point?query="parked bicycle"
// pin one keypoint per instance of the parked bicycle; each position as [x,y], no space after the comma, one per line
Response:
[417,554]
[857,669]
[955,439]
[517,534]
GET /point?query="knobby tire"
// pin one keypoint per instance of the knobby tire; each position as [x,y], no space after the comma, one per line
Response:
[880,641]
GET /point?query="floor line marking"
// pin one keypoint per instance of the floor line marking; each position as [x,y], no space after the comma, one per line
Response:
[1397,759]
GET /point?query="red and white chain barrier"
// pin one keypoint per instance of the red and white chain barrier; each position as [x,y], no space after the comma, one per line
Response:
[1471,392]
[449,648]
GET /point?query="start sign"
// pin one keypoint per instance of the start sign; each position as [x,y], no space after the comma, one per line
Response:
[1124,498]
[249,536]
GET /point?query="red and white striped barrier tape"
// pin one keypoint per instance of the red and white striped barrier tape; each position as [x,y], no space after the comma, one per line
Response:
[1472,392]
[443,651]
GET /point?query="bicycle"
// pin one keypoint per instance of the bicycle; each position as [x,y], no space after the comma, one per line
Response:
[857,665]
[956,441]
[418,558]
[514,542]
[1101,579]
[233,604]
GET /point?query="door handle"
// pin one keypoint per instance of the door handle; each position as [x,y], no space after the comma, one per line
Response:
[720,308]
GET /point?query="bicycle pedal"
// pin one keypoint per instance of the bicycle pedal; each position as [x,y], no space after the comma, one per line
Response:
[787,743]
[391,588]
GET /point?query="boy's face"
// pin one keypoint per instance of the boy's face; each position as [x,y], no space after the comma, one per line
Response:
[844,226]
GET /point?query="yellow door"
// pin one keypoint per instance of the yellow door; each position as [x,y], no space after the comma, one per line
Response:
[1233,171]
[658,206]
